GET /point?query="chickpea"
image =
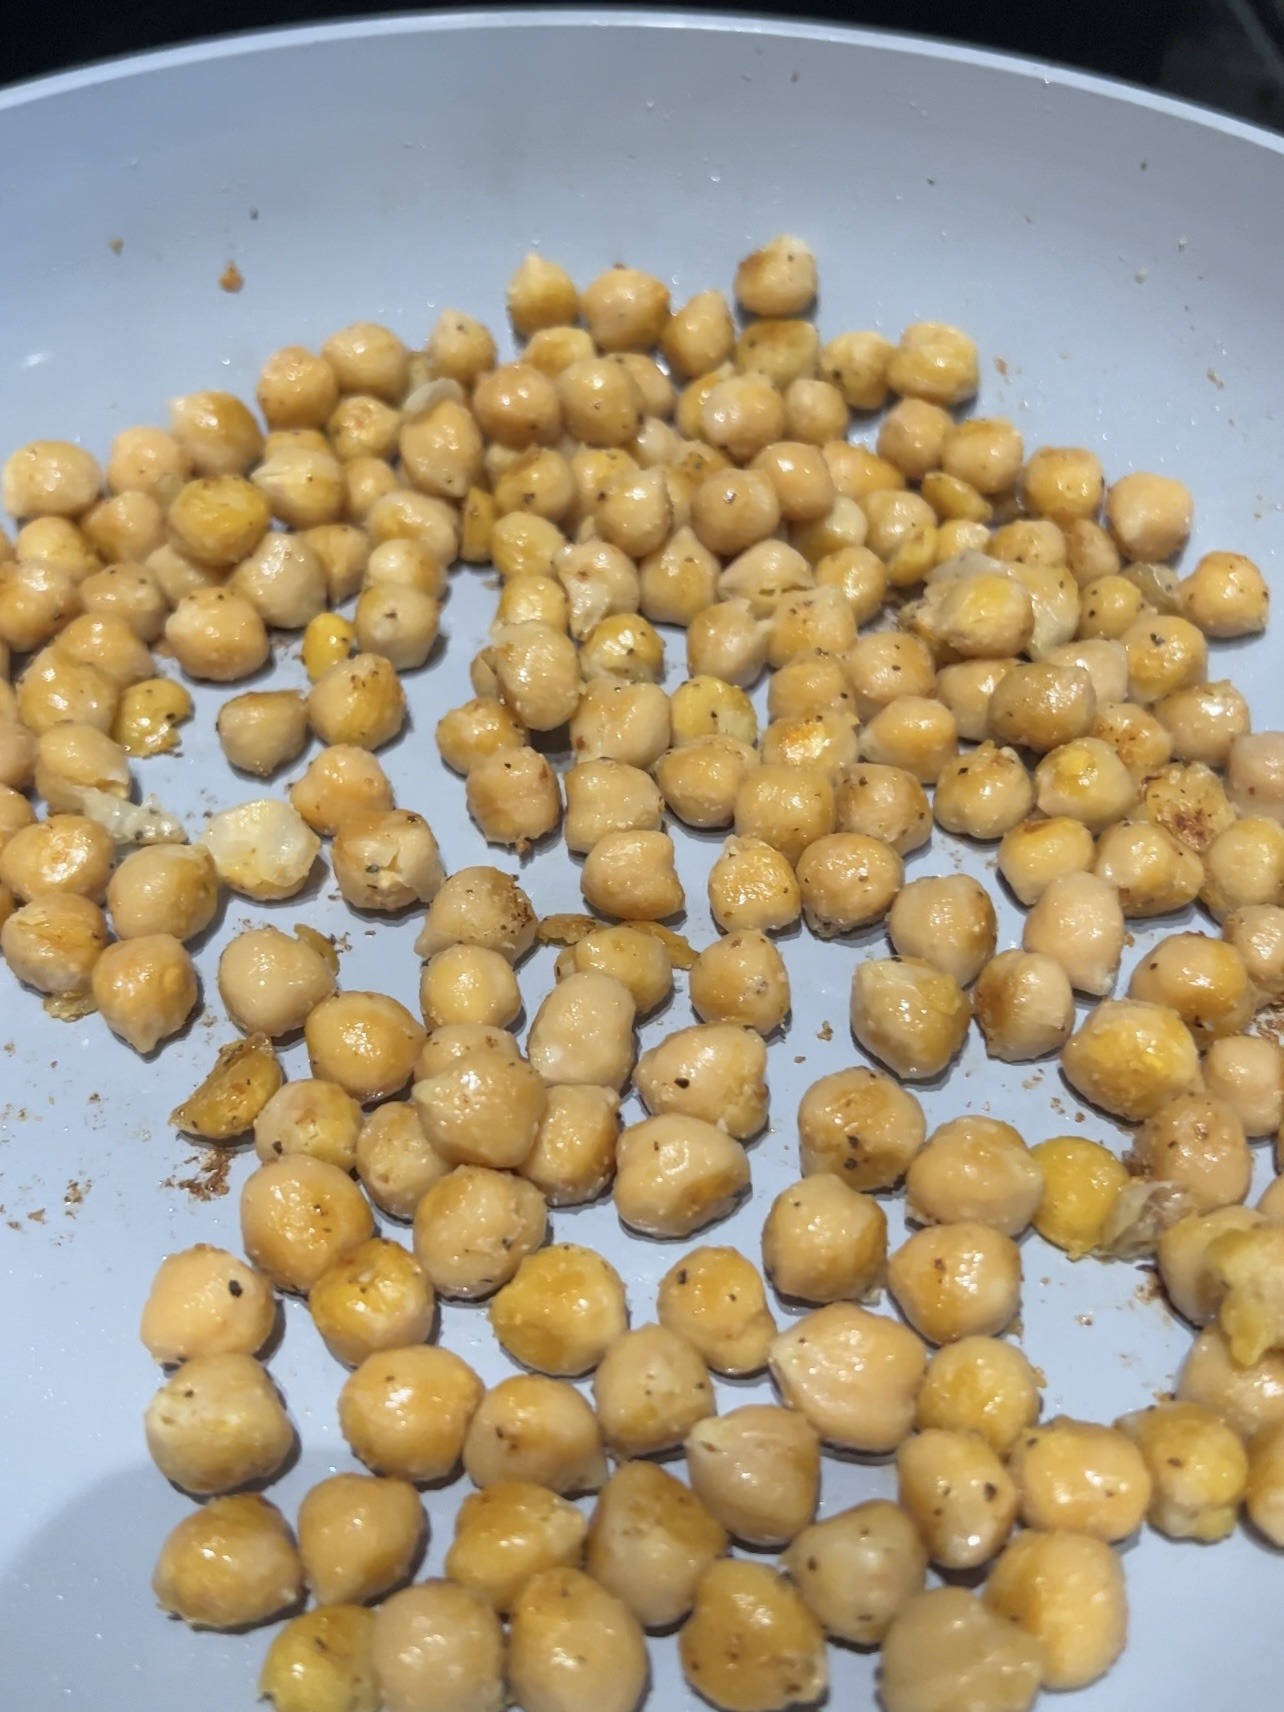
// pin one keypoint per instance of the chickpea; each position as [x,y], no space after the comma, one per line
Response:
[823,1242]
[910,1015]
[1187,1256]
[600,582]
[327,640]
[54,689]
[476,729]
[366,1042]
[1078,922]
[262,849]
[1248,1398]
[605,796]
[741,980]
[1082,1477]
[1151,870]
[1066,1591]
[715,1072]
[733,509]
[982,794]
[984,452]
[400,624]
[358,703]
[726,641]
[561,1311]
[961,1279]
[1085,780]
[387,861]
[311,1117]
[405,1412]
[790,808]
[955,1489]
[1111,605]
[816,411]
[263,730]
[1204,720]
[1255,774]
[509,1532]
[1225,595]
[627,723]
[742,415]
[886,803]
[852,1374]
[808,620]
[343,783]
[1246,1072]
[322,1659]
[441,447]
[625,310]
[676,1174]
[272,982]
[1243,878]
[751,1644]
[1198,1466]
[479,906]
[368,358]
[359,1536]
[945,920]
[945,1648]
[583,1031]
[283,1206]
[757,1470]
[1064,483]
[395,1160]
[66,853]
[145,989]
[912,436]
[218,1424]
[701,779]
[344,552]
[217,634]
[1082,1181]
[649,1542]
[204,1301]
[631,875]
[1150,516]
[600,402]
[1262,1503]
[469,984]
[714,1299]
[1204,981]
[859,1124]
[1042,706]
[818,742]
[1024,1005]
[36,602]
[460,348]
[50,478]
[439,1647]
[650,1391]
[1198,1142]
[699,336]
[374,1298]
[912,733]
[229,1564]
[1189,801]
[979,1385]
[129,592]
[574,1646]
[975,1170]
[148,461]
[966,688]
[514,797]
[216,434]
[1165,655]
[54,943]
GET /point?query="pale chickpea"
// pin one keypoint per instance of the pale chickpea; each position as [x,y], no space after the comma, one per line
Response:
[726,641]
[766,574]
[900,529]
[936,362]
[714,1299]
[984,452]
[218,1424]
[148,461]
[751,1644]
[946,920]
[741,979]
[535,1429]
[15,810]
[1197,1142]
[1246,1072]
[945,1649]
[476,729]
[561,1311]
[538,673]
[481,1110]
[344,552]
[460,348]
[262,849]
[441,448]
[981,1386]
[632,955]
[1086,780]
[1249,1398]
[600,582]
[263,730]
[912,733]
[715,1072]
[801,477]
[145,989]
[733,509]
[635,514]
[50,478]
[1257,933]
[54,943]
[983,616]
[204,1301]
[1079,923]
[1153,872]
[958,505]
[517,405]
[1104,659]
[540,480]
[344,782]
[956,1490]
[742,415]
[395,1161]
[1089,550]
[757,1471]
[1266,1484]
[650,1391]
[298,1216]
[649,1541]
[1024,1006]
[573,1158]
[403,514]
[368,358]
[1203,721]
[217,634]
[36,602]
[847,880]
[909,1015]
[857,1569]
[479,906]
[815,412]
[886,803]
[858,1124]
[790,808]
[216,433]
[975,1170]
[270,981]
[366,482]
[514,797]
[824,1242]
[701,779]
[1187,1255]
[359,1535]
[631,875]
[851,1373]
[1079,1476]
[312,1117]
[1066,1591]
[677,1174]
[982,794]
[1111,606]
[72,759]
[583,1031]
[573,1646]
[436,1647]
[468,983]
[1255,774]
[474,1227]
[366,1042]
[678,581]
[966,687]
[53,690]
[130,592]
[229,1565]
[625,309]
[405,1412]
[957,1280]
[1150,516]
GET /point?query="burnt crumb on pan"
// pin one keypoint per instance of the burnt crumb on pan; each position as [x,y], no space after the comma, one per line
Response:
[73,1196]
[231,278]
[208,1182]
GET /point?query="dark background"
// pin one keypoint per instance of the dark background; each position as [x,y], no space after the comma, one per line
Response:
[1225,53]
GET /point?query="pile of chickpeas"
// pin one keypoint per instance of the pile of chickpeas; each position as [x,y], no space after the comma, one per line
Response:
[951,630]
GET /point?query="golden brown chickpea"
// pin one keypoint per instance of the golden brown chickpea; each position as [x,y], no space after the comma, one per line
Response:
[562,1310]
[296,389]
[368,358]
[366,1042]
[948,921]
[1198,1466]
[713,1071]
[129,592]
[204,1301]
[358,703]
[957,1280]
[912,437]
[751,1644]
[538,673]
[958,1493]
[734,509]
[726,641]
[50,478]
[53,690]
[982,1386]
[1042,706]
[815,412]
[1188,799]
[1186,1255]
[216,433]
[312,1117]
[1197,1142]
[1266,1469]
[344,782]
[574,1646]
[1164,655]
[809,620]
[966,688]
[1082,1182]
[982,794]
[66,853]
[887,803]
[145,989]
[778,279]
[1024,1005]
[650,1391]
[387,861]
[1064,483]
[1036,852]
[460,348]
[912,733]
[816,742]
[621,722]
[344,552]
[476,729]
[742,415]
[984,452]
[298,1216]
[701,779]
[631,875]
[766,574]
[698,337]
[217,634]
[714,1299]
[532,1429]
[437,1647]
[1111,606]
[54,943]
[1085,780]
[1244,871]
[479,906]
[1225,595]
[218,1424]
[1066,1591]
[474,1227]
[649,1542]
[786,807]
[36,602]
[1204,980]
[148,461]
[859,1124]
[852,1374]
[573,1159]
[405,1412]
[468,984]
[757,1470]
[856,364]
[1105,661]
[601,404]
[1079,1476]
[1090,552]
[583,1031]
[1151,870]
[974,1170]
[373,1298]
[677,1174]
[910,1015]
[625,310]
[271,981]
[823,1242]
[358,1537]
[229,1565]
[1130,1057]
[741,979]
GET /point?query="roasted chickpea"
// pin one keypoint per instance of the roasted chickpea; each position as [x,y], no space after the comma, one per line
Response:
[1078,922]
[726,641]
[956,1490]
[204,1301]
[628,723]
[859,1124]
[358,703]
[479,906]
[766,574]
[148,461]
[1042,706]
[789,808]
[263,730]
[395,1161]
[884,802]
[757,1470]
[561,1311]
[1262,1501]
[270,981]
[912,733]
[651,1389]
[750,1643]
[1204,720]
[1225,595]
[405,1412]
[957,1280]
[1198,1467]
[966,688]
[311,1117]
[816,412]
[583,1031]
[50,478]
[1248,1398]
[469,733]
[36,602]
[534,1429]
[846,880]
[975,1170]
[1246,1072]
[819,742]
[714,1299]
[322,1659]
[129,592]
[387,861]
[910,1015]
[945,920]
[1082,1477]
[733,509]
[701,779]
[1150,516]
[438,1647]
[509,1532]
[1085,780]
[823,1242]
[631,875]
[625,309]
[298,1216]
[742,415]
[945,1649]
[741,979]
[1082,1181]
[698,337]
[1197,1142]
[677,1174]
[1255,774]
[912,436]
[376,1297]
[649,1542]
[711,707]
[988,615]
[979,1385]
[1204,980]
[228,1565]
[66,853]
[366,1042]
[145,989]
[852,1374]
[514,797]
[1152,872]
[467,983]
[1024,1005]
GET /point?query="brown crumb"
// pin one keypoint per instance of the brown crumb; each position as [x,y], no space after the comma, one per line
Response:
[73,1196]
[209,1180]
[231,278]
[115,245]
[825,1031]
[14,1224]
[800,1058]
[1001,364]
[1217,380]
[1083,1319]
[38,1216]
